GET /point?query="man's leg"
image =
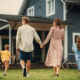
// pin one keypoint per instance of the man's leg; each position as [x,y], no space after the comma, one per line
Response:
[28,65]
[22,62]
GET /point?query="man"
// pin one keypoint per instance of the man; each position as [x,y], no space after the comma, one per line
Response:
[24,43]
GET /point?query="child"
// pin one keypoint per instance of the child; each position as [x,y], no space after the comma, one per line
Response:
[5,55]
[76,49]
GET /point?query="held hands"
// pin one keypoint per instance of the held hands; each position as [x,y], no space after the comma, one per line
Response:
[41,46]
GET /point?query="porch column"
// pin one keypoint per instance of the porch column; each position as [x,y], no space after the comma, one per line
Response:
[66,43]
[10,42]
[0,43]
[43,49]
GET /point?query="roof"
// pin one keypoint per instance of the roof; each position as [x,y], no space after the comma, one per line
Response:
[2,23]
[23,6]
[18,18]
[72,1]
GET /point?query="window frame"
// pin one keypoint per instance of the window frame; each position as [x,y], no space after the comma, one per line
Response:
[75,34]
[47,13]
[30,9]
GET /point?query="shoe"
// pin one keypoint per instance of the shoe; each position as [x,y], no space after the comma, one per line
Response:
[4,74]
[24,72]
[57,75]
[3,68]
[27,74]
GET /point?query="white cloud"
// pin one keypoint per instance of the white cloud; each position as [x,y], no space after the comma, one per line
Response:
[10,6]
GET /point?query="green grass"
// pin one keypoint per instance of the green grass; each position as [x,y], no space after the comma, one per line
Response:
[41,74]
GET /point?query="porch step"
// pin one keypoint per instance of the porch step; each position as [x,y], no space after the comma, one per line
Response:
[33,66]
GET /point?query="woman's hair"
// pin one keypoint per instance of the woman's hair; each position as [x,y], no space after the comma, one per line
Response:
[78,43]
[58,22]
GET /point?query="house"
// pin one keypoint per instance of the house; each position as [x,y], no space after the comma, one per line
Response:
[41,14]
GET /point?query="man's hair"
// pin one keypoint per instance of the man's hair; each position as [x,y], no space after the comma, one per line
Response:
[26,19]
[7,46]
[78,43]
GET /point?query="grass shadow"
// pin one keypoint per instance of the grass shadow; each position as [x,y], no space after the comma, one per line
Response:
[1,77]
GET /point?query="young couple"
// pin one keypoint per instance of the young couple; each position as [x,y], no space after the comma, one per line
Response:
[24,44]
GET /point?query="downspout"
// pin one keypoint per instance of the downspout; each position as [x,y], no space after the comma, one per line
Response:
[64,16]
[65,13]
[66,32]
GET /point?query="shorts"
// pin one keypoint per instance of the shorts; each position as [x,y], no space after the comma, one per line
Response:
[25,55]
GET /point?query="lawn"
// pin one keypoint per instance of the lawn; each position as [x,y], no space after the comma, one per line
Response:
[41,74]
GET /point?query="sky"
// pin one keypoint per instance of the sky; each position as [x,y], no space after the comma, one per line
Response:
[10,6]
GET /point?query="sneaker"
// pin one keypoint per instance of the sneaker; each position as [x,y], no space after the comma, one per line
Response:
[27,74]
[4,74]
[24,72]
[57,75]
[3,68]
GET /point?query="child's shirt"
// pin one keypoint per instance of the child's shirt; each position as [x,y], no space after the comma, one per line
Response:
[77,52]
[5,55]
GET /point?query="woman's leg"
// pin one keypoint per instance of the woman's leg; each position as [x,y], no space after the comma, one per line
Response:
[58,69]
[55,70]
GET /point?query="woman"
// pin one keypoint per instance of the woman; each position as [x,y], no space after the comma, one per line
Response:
[55,51]
[76,49]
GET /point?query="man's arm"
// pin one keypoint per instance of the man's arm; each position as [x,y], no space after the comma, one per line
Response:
[0,52]
[18,38]
[37,38]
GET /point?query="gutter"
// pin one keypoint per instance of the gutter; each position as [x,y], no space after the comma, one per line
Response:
[23,6]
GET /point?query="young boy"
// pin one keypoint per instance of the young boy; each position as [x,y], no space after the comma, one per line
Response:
[5,56]
[76,49]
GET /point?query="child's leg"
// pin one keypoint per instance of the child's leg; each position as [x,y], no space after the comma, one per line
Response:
[6,66]
[79,65]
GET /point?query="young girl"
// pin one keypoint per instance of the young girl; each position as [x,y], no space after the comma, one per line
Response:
[76,49]
[5,55]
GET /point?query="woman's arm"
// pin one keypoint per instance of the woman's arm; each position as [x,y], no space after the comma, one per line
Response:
[63,35]
[48,36]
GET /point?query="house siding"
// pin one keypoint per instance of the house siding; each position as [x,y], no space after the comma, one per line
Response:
[74,17]
[40,8]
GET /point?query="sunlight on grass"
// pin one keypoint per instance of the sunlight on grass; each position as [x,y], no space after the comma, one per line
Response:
[41,74]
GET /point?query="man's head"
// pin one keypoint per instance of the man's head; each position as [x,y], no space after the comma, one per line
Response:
[6,47]
[25,20]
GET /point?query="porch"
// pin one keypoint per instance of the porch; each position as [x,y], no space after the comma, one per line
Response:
[42,26]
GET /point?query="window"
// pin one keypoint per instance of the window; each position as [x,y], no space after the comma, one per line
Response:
[75,35]
[30,11]
[50,7]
